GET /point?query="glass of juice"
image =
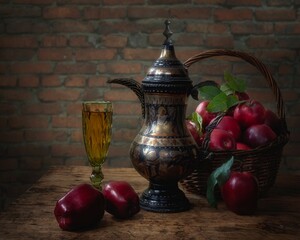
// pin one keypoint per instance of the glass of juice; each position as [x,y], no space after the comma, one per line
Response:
[97,129]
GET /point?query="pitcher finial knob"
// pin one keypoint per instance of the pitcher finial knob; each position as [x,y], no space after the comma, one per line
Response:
[168,33]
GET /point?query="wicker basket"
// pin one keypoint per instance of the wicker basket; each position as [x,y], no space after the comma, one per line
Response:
[263,162]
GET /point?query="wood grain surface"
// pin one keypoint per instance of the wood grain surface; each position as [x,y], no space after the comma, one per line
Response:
[31,215]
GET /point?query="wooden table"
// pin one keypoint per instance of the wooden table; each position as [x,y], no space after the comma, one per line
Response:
[31,215]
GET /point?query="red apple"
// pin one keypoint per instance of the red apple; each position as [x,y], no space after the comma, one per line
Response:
[221,140]
[121,199]
[230,125]
[240,193]
[242,146]
[191,126]
[273,121]
[242,96]
[81,207]
[206,115]
[258,135]
[249,113]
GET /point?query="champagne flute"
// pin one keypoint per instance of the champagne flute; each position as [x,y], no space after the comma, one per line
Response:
[97,125]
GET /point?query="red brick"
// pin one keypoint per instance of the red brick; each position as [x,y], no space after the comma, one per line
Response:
[127,108]
[24,11]
[80,41]
[84,2]
[220,41]
[140,54]
[76,136]
[233,14]
[55,54]
[18,122]
[210,1]
[117,2]
[114,41]
[16,54]
[125,134]
[190,39]
[61,12]
[120,95]
[75,81]
[8,81]
[8,164]
[38,2]
[147,12]
[29,149]
[18,42]
[66,122]
[217,28]
[122,27]
[27,26]
[277,55]
[168,1]
[11,137]
[45,136]
[59,95]
[41,108]
[260,42]
[97,81]
[29,81]
[73,109]
[32,67]
[289,42]
[275,14]
[192,12]
[31,163]
[51,81]
[92,94]
[16,94]
[279,2]
[6,108]
[133,122]
[68,150]
[121,67]
[76,68]
[104,13]
[287,28]
[244,2]
[54,41]
[95,54]
[250,27]
[73,26]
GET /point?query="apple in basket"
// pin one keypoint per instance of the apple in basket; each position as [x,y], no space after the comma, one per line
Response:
[249,113]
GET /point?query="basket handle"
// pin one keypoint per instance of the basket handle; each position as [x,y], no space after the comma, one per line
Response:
[253,61]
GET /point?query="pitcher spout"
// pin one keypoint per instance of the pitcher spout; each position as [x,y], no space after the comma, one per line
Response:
[135,86]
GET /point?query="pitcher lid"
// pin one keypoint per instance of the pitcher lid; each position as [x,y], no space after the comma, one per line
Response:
[167,74]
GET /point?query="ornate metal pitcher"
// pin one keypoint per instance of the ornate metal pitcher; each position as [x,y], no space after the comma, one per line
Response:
[163,152]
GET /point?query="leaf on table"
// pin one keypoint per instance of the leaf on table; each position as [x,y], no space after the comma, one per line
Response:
[218,177]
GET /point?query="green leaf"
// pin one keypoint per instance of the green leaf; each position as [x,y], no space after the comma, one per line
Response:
[234,83]
[226,89]
[208,92]
[232,100]
[218,177]
[218,103]
[197,119]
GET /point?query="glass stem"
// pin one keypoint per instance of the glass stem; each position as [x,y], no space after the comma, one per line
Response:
[97,177]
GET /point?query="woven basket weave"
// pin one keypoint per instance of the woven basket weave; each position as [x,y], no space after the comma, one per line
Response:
[263,162]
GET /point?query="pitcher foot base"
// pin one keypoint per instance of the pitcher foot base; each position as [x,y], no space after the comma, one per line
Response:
[164,198]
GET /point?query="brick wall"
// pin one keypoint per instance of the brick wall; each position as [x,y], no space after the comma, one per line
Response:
[55,54]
